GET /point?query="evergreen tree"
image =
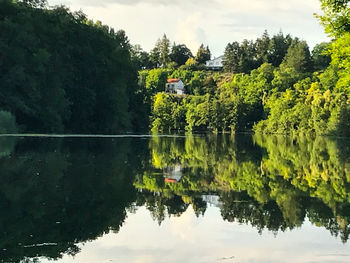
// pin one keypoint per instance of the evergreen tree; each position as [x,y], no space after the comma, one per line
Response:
[247,61]
[203,54]
[164,50]
[298,57]
[262,46]
[155,55]
[232,57]
[278,48]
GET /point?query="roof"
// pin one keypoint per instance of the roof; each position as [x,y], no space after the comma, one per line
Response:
[173,80]
[170,180]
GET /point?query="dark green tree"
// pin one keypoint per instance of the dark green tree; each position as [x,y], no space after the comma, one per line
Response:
[232,57]
[278,48]
[180,54]
[262,46]
[320,57]
[203,54]
[140,58]
[247,61]
[298,57]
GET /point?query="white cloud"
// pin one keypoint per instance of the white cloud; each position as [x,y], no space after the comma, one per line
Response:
[190,32]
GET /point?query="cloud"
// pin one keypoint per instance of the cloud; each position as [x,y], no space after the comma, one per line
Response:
[190,32]
[211,22]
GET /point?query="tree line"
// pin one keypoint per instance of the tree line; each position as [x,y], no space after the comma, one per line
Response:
[165,55]
[269,182]
[61,72]
[292,91]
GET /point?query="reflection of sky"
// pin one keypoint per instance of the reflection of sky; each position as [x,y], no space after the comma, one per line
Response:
[208,239]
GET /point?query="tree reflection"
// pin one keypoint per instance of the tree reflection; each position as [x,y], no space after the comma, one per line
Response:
[269,182]
[55,194]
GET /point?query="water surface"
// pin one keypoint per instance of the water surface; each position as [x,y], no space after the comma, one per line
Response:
[174,199]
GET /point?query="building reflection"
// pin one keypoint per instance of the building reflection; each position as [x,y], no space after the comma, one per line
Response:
[173,174]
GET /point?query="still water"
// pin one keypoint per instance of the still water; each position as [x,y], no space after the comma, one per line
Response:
[174,199]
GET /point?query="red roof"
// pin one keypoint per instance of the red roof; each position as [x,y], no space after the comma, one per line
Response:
[169,180]
[173,80]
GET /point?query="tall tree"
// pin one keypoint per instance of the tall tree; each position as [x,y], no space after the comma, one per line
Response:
[298,57]
[247,61]
[164,48]
[155,55]
[203,54]
[232,57]
[262,46]
[180,54]
[278,48]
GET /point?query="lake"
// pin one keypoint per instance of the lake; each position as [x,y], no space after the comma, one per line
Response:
[201,198]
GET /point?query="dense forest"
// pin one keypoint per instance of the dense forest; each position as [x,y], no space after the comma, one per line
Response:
[63,73]
[270,85]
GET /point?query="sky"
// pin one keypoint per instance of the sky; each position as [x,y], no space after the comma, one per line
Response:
[212,22]
[208,239]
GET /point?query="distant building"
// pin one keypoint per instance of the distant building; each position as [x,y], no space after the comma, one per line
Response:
[175,86]
[172,174]
[215,64]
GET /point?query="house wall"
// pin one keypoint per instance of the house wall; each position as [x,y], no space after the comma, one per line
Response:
[175,87]
[215,63]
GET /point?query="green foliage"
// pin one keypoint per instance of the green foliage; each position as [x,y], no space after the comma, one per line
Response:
[272,182]
[263,48]
[307,109]
[203,54]
[140,58]
[53,79]
[298,57]
[191,64]
[232,58]
[197,113]
[340,53]
[35,3]
[159,55]
[278,48]
[180,54]
[336,18]
[155,81]
[320,56]
[163,113]
[249,55]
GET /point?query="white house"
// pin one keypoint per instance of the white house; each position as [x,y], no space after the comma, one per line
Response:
[172,174]
[214,64]
[175,86]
